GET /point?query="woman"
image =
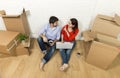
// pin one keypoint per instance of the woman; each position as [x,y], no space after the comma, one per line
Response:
[68,34]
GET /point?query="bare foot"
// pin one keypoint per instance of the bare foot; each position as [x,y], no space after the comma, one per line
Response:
[41,66]
[64,67]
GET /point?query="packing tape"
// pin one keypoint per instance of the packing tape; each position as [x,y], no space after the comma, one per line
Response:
[15,44]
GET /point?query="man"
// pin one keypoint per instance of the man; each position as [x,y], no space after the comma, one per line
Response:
[49,35]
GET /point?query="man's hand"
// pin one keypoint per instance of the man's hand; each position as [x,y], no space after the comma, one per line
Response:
[45,39]
[51,44]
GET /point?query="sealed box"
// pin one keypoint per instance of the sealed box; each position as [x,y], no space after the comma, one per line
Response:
[8,41]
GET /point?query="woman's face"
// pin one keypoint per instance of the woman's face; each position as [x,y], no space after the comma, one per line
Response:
[70,24]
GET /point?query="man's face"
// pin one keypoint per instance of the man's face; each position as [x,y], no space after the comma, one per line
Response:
[55,24]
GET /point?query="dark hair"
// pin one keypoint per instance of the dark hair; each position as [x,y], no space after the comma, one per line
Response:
[74,22]
[53,19]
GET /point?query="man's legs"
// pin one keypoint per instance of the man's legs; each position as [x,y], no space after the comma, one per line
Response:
[47,56]
[42,45]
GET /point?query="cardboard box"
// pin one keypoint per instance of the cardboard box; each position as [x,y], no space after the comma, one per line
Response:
[26,43]
[105,25]
[2,12]
[108,40]
[8,41]
[105,46]
[102,55]
[4,55]
[17,23]
[89,35]
[86,46]
[21,50]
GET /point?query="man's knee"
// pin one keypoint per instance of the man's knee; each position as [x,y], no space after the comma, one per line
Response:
[39,39]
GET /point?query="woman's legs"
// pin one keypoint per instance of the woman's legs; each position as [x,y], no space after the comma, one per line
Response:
[65,54]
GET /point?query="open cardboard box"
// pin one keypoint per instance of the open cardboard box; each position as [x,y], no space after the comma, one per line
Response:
[89,35]
[105,46]
[101,54]
[106,25]
[17,23]
[8,41]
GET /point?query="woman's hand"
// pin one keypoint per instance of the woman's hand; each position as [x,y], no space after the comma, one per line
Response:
[66,32]
[65,29]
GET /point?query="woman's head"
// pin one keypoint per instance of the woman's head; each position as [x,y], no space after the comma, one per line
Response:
[73,23]
[53,20]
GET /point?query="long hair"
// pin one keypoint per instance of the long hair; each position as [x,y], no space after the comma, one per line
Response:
[75,23]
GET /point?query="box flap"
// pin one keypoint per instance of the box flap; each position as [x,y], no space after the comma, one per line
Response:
[10,16]
[106,27]
[105,17]
[108,40]
[89,35]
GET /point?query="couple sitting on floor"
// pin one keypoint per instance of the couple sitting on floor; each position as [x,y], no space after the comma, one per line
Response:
[51,33]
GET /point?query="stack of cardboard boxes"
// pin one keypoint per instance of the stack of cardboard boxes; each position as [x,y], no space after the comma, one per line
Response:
[104,38]
[10,44]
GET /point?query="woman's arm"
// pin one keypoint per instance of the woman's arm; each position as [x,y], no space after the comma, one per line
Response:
[62,38]
[66,32]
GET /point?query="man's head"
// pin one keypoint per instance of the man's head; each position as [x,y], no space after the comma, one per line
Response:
[53,20]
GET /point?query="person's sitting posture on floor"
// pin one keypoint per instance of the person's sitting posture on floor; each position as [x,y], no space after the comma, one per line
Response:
[68,34]
[48,36]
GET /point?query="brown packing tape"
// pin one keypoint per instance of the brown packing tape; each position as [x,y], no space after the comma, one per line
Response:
[8,41]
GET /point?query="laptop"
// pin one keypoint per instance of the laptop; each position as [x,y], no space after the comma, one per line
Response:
[64,45]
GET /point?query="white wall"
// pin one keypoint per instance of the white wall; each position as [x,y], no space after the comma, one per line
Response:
[41,10]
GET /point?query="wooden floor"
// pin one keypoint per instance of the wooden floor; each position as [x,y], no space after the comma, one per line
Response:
[28,66]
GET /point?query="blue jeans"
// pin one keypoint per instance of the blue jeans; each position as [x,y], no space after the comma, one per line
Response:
[50,51]
[65,54]
[42,44]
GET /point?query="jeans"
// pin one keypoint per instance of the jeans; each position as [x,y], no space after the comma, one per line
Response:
[50,51]
[65,54]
